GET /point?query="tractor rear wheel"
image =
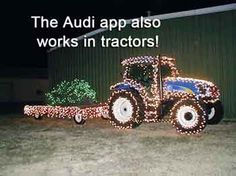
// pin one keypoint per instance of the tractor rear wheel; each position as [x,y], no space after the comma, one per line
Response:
[188,117]
[126,109]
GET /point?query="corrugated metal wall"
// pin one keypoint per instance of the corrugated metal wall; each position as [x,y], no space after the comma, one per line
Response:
[204,47]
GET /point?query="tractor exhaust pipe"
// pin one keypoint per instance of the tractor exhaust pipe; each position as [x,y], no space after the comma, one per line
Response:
[160,85]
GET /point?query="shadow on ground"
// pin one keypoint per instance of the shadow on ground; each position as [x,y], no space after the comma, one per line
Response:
[59,147]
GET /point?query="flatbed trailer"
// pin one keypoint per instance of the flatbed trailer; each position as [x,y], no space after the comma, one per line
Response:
[79,113]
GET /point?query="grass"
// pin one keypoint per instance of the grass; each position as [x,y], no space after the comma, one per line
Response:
[59,147]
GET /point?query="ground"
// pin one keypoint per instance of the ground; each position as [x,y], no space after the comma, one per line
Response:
[59,147]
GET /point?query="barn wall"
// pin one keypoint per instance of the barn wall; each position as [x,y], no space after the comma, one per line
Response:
[22,89]
[204,47]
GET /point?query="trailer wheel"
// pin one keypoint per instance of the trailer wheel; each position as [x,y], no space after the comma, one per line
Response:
[188,117]
[126,109]
[215,112]
[78,118]
[37,116]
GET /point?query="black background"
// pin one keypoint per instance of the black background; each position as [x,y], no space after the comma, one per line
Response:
[18,37]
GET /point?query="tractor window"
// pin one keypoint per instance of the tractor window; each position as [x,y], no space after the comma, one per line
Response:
[141,74]
[166,71]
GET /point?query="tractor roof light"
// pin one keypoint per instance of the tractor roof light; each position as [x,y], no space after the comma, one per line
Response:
[147,60]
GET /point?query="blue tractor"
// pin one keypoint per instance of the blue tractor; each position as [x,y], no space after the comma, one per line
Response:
[153,91]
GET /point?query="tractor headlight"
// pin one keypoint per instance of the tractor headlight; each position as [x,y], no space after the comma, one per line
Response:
[207,90]
[214,91]
[202,89]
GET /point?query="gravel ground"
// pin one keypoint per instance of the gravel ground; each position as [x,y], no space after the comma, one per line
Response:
[58,147]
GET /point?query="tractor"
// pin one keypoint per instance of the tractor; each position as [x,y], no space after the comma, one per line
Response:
[153,91]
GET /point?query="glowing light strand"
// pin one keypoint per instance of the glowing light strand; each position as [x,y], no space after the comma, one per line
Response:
[69,112]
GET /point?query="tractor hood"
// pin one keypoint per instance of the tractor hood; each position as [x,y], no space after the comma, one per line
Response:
[200,88]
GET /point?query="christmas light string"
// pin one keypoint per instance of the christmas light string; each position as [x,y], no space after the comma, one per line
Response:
[69,112]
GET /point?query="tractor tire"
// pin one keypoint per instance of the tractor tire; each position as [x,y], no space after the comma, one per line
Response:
[78,118]
[126,109]
[215,112]
[188,117]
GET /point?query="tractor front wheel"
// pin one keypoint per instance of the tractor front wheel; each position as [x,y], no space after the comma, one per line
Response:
[188,117]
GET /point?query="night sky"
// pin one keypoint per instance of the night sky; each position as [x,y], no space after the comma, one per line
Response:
[18,37]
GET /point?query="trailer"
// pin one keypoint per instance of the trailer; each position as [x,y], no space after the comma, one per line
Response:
[78,113]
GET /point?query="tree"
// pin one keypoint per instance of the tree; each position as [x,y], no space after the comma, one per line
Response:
[71,93]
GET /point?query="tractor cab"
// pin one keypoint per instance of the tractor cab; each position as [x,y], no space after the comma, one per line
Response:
[149,72]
